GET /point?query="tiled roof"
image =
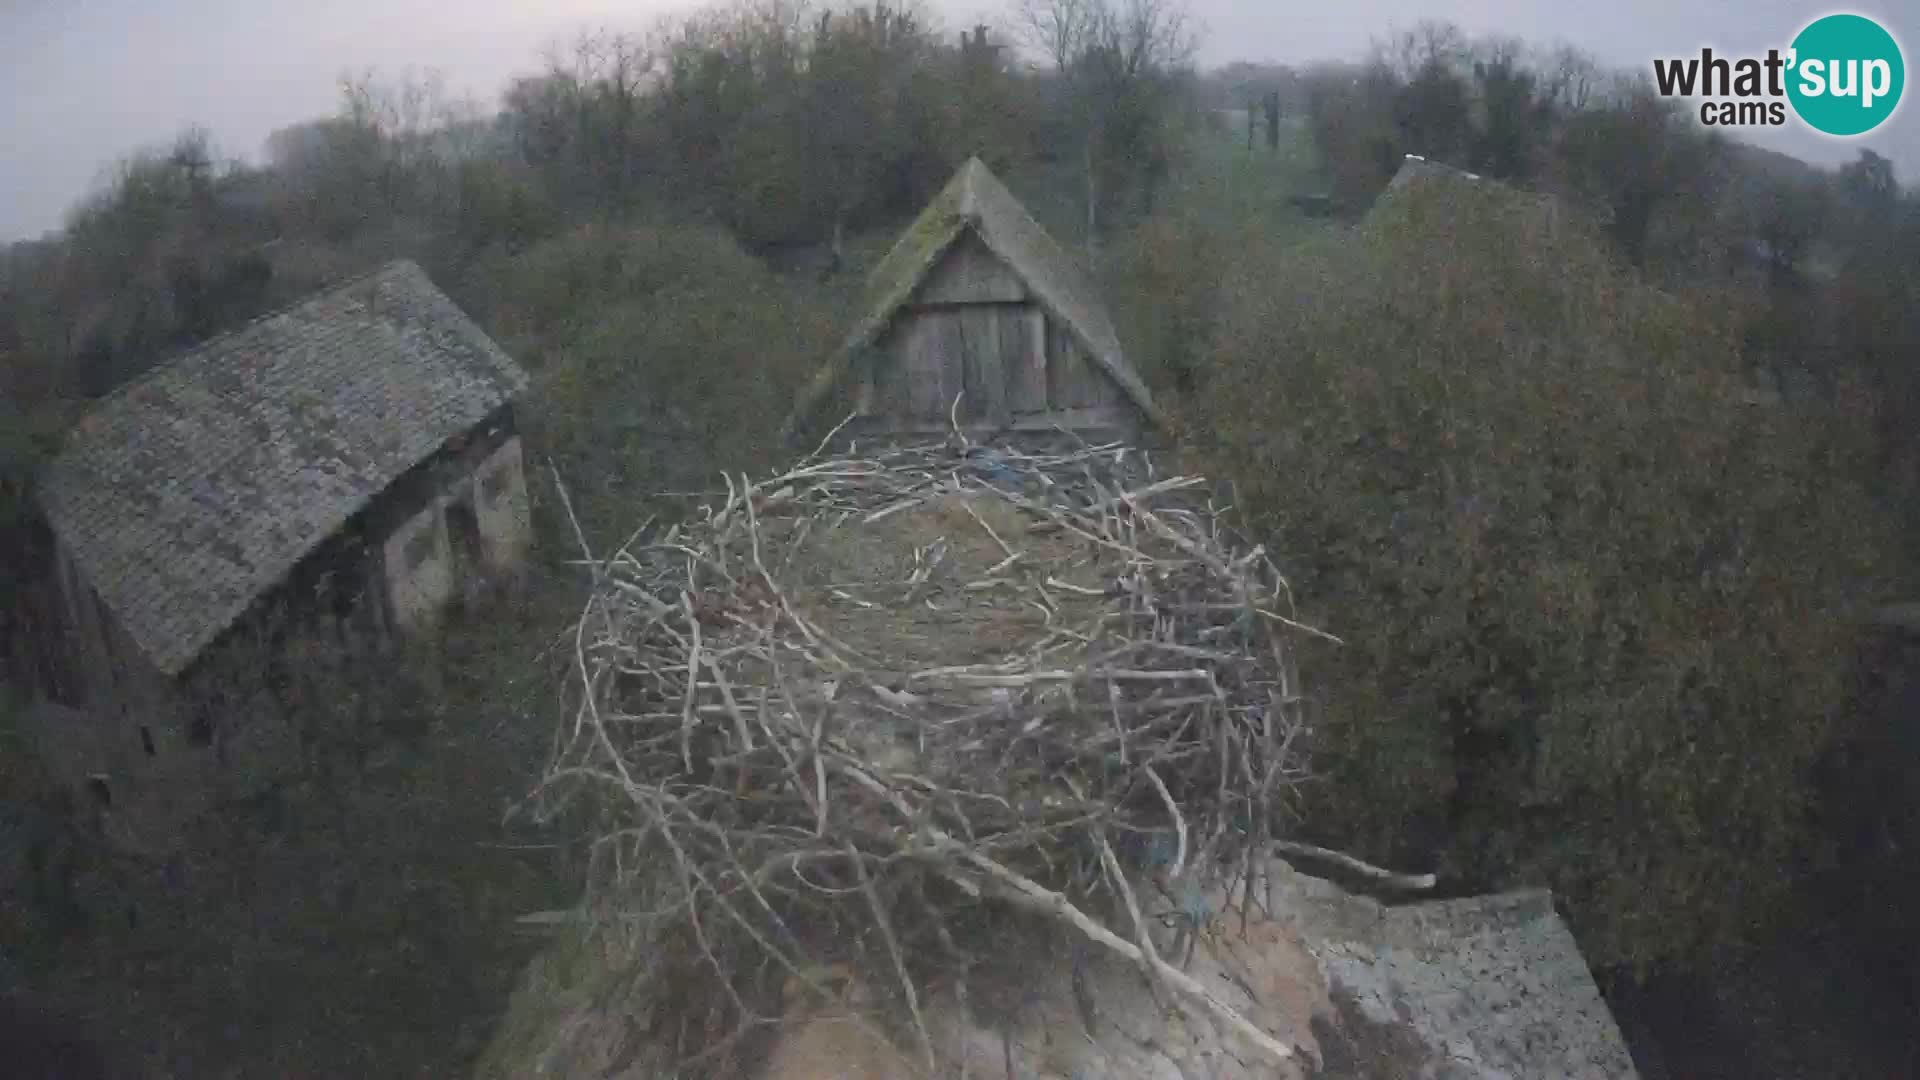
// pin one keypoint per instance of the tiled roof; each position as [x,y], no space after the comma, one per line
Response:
[976,199]
[1493,986]
[188,493]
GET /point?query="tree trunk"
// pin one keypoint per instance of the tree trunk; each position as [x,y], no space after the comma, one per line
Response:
[1093,192]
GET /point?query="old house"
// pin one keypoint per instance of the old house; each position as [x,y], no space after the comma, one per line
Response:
[976,315]
[349,465]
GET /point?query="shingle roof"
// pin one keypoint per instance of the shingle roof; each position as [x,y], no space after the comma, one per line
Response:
[188,493]
[1494,986]
[976,199]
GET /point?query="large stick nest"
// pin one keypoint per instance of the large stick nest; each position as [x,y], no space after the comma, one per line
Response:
[852,713]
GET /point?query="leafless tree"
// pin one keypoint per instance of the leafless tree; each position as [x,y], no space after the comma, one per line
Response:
[1060,30]
[1572,79]
[1426,44]
[1114,60]
[600,77]
[386,130]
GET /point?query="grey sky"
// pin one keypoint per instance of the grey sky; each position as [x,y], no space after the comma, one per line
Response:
[82,82]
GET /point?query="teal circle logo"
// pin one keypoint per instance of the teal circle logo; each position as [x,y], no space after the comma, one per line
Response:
[1846,74]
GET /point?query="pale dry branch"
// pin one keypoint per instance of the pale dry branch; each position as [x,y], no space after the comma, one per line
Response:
[789,755]
[1412,882]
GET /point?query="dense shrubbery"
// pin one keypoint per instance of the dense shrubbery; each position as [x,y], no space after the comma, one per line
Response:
[660,353]
[1591,594]
[1550,120]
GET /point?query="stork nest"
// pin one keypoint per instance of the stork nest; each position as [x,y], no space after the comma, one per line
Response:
[864,705]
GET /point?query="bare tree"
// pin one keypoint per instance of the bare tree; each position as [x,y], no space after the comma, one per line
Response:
[1060,30]
[1116,61]
[1571,79]
[387,128]
[601,76]
[858,72]
[1427,44]
[1151,35]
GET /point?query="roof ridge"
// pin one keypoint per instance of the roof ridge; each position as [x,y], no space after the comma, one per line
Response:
[969,202]
[164,364]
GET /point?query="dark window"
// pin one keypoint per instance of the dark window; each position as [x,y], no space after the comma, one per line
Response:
[344,600]
[493,486]
[421,547]
[463,532]
[97,787]
[146,740]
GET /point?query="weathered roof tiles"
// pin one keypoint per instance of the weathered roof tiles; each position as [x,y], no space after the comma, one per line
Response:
[1493,987]
[188,493]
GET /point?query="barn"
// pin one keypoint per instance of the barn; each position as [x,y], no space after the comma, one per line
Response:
[977,316]
[349,465]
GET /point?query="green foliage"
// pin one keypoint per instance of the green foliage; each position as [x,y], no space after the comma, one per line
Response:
[378,889]
[661,354]
[1350,114]
[1636,160]
[1177,262]
[1631,155]
[785,122]
[1431,112]
[1165,276]
[1875,320]
[499,206]
[1513,124]
[1593,597]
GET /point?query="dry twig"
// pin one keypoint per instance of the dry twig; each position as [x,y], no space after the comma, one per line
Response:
[775,779]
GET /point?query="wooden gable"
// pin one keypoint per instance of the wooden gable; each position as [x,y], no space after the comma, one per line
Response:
[973,329]
[976,304]
[969,273]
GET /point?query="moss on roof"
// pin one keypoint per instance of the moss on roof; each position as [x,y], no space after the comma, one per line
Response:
[976,199]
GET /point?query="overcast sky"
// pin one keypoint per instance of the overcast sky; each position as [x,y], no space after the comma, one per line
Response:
[82,82]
